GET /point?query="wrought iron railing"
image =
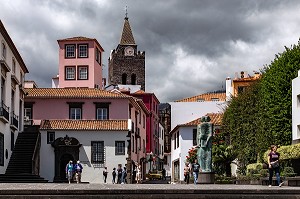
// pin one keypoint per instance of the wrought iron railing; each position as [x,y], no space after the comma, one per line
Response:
[14,120]
[4,111]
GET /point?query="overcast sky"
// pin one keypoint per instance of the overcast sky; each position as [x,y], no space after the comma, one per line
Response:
[191,45]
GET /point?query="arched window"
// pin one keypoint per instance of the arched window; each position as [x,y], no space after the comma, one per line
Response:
[124,79]
[133,79]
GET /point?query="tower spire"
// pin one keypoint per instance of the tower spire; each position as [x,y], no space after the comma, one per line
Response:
[127,36]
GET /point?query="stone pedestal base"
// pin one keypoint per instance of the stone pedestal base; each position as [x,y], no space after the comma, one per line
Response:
[206,178]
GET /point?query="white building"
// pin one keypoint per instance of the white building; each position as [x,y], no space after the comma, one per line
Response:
[183,138]
[296,109]
[13,71]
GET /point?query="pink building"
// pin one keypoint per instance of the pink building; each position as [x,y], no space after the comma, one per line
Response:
[80,121]
[80,63]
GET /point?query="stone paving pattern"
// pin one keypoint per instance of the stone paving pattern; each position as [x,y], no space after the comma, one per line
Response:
[78,191]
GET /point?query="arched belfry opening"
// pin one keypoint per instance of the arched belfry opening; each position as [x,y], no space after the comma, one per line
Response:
[124,78]
[133,79]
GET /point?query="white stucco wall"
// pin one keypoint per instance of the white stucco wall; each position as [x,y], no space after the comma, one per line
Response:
[296,108]
[90,173]
[185,143]
[5,128]
[183,112]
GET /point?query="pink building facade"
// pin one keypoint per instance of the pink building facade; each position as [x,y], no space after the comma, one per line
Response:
[80,63]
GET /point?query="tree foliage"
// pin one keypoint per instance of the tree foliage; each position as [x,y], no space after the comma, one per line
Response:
[276,93]
[241,121]
[262,115]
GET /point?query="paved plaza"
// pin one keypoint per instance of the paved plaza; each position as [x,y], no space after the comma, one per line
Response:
[78,191]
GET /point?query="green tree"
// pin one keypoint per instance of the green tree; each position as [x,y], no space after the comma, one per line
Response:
[241,122]
[276,92]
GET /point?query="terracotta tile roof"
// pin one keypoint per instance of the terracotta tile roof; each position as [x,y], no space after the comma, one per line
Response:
[215,118]
[88,125]
[127,36]
[80,38]
[205,97]
[247,79]
[140,92]
[73,93]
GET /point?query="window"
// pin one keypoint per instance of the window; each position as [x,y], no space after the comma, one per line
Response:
[144,146]
[132,141]
[177,139]
[82,50]
[97,152]
[215,99]
[194,137]
[102,114]
[133,79]
[2,97]
[75,113]
[102,110]
[144,121]
[120,148]
[13,65]
[200,100]
[70,73]
[70,51]
[241,89]
[82,72]
[75,110]
[98,56]
[1,149]
[124,78]
[50,137]
[3,50]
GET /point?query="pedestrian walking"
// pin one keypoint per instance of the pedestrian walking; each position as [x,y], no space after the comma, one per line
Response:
[164,174]
[195,169]
[69,171]
[105,172]
[78,171]
[273,162]
[114,174]
[186,173]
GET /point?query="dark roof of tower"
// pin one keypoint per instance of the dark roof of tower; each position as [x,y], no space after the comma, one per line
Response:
[127,36]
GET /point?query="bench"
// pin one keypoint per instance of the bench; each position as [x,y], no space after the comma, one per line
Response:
[293,181]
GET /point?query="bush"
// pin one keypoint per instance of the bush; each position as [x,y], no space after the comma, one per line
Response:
[286,152]
[288,172]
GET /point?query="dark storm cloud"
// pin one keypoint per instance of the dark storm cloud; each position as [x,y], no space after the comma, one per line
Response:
[191,46]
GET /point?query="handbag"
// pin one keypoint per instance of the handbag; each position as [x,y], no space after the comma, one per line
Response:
[275,164]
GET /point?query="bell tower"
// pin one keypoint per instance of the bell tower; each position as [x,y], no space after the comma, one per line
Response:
[126,65]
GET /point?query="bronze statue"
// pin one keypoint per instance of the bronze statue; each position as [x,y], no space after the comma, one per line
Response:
[204,144]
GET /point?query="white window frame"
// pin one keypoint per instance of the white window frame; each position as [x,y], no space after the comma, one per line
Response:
[102,113]
[81,73]
[70,73]
[70,51]
[75,113]
[83,50]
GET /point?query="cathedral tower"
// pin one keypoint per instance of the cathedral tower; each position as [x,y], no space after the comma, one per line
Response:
[127,64]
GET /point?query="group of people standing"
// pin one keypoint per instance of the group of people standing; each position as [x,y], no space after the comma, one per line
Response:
[73,171]
[119,174]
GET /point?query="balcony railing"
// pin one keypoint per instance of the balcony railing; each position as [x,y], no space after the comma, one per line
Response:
[14,120]
[4,112]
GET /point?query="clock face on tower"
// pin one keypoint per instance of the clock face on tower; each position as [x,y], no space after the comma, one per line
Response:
[129,51]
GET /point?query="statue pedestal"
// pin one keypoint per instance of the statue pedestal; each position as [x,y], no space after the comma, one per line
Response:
[206,178]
